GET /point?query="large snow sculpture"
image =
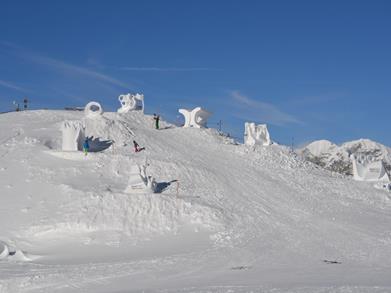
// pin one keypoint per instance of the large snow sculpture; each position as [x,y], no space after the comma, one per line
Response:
[256,134]
[4,251]
[139,181]
[368,168]
[195,118]
[72,135]
[131,102]
[93,110]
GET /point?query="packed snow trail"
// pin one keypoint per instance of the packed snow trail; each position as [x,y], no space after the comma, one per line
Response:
[244,219]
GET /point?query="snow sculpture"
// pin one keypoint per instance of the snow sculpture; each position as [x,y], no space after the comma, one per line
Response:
[72,135]
[256,134]
[367,168]
[93,110]
[195,118]
[131,102]
[4,251]
[139,182]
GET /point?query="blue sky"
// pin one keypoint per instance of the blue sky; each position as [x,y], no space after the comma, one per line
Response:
[309,69]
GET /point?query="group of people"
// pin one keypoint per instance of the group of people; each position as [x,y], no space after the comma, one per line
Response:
[137,148]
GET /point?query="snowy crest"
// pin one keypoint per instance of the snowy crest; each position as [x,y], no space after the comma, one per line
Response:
[93,110]
[130,102]
[139,181]
[256,134]
[73,134]
[197,117]
[368,168]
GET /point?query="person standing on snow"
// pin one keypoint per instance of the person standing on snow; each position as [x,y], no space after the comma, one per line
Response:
[86,146]
[156,118]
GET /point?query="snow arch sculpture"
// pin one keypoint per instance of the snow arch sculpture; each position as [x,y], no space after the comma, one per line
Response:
[73,135]
[256,134]
[139,181]
[93,110]
[197,117]
[131,102]
[366,168]
[4,251]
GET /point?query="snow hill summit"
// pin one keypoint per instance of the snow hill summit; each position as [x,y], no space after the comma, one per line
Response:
[193,211]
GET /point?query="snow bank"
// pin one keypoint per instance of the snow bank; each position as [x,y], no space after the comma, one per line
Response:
[139,216]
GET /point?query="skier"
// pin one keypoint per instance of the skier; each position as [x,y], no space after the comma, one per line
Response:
[86,146]
[156,118]
[137,147]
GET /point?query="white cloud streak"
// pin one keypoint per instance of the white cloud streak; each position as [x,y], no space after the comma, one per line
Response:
[168,69]
[12,86]
[62,67]
[247,108]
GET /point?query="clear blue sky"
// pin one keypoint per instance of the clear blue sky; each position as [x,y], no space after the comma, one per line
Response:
[310,69]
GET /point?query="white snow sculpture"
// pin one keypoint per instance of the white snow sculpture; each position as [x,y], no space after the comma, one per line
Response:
[367,168]
[195,118]
[139,182]
[93,110]
[131,102]
[4,251]
[256,134]
[72,135]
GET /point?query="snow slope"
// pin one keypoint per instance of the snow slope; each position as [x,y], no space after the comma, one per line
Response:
[336,158]
[228,218]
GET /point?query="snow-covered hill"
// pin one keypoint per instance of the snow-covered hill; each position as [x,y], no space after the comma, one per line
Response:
[227,218]
[336,158]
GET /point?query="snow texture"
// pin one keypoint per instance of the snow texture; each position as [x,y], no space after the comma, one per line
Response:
[224,218]
[73,135]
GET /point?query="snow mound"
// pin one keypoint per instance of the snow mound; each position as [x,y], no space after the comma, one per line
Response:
[319,147]
[139,216]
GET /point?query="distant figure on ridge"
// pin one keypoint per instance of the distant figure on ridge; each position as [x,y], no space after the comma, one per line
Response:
[156,118]
[137,147]
[86,146]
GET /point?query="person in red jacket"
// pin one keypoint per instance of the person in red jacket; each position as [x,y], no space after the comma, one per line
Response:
[137,147]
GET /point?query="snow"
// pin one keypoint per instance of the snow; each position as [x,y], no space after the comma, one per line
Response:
[225,218]
[320,146]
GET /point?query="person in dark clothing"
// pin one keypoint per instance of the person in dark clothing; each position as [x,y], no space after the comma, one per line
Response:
[157,119]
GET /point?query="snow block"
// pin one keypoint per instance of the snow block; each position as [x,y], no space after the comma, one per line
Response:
[195,118]
[93,110]
[130,102]
[73,135]
[256,134]
[368,168]
[4,251]
[139,181]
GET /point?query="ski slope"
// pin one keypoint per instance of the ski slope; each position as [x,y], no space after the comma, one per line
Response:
[227,218]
